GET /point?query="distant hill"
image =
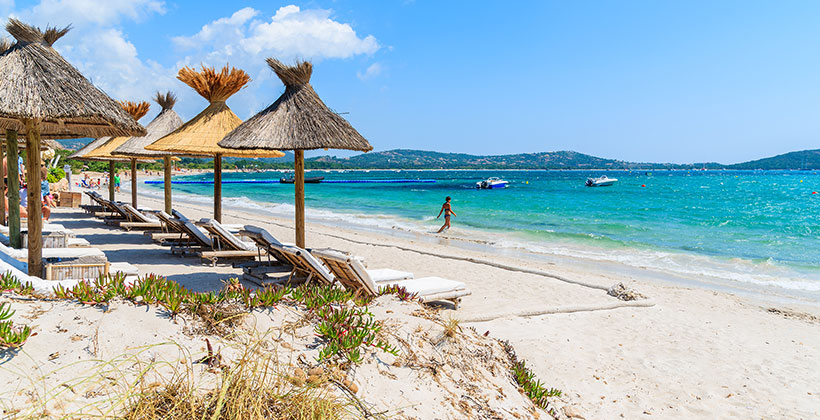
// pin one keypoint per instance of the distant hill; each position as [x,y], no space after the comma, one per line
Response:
[804,159]
[420,159]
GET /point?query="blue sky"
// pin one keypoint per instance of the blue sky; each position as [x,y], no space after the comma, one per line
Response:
[646,80]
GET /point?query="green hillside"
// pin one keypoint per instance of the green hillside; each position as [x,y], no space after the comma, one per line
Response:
[804,159]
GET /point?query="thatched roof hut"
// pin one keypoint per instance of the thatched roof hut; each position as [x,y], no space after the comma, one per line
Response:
[137,110]
[200,135]
[39,84]
[40,92]
[297,121]
[167,121]
[164,123]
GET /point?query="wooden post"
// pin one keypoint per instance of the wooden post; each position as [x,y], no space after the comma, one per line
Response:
[2,188]
[35,199]
[167,184]
[299,184]
[111,196]
[134,183]
[218,188]
[14,189]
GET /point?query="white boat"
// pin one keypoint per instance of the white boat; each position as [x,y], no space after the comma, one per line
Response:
[491,183]
[602,181]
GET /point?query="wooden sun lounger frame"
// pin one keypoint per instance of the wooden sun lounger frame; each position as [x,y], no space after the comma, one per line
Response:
[340,264]
[206,252]
[275,263]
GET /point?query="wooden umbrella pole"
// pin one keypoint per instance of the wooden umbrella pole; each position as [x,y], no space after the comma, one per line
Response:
[167,183]
[35,207]
[134,183]
[218,188]
[3,188]
[14,189]
[111,196]
[299,184]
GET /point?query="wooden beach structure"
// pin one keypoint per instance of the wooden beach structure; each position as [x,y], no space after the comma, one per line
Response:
[98,149]
[199,136]
[165,122]
[297,121]
[40,92]
[103,151]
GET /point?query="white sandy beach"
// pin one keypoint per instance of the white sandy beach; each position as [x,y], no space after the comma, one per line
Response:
[695,354]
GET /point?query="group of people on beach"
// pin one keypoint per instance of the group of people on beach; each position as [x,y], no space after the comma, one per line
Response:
[47,199]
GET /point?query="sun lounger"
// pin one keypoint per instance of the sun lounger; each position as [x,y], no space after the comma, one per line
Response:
[226,245]
[306,267]
[351,273]
[275,267]
[138,220]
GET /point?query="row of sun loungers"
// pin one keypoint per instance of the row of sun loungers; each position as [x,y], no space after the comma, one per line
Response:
[265,260]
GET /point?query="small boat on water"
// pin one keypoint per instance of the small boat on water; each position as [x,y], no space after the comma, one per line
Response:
[602,181]
[308,180]
[491,183]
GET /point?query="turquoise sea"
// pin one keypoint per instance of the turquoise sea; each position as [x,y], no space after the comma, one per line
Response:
[743,229]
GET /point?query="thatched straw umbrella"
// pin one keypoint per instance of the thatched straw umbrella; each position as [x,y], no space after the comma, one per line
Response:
[199,136]
[167,121]
[103,152]
[41,92]
[297,121]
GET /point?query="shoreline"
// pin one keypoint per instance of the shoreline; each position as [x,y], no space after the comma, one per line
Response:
[714,272]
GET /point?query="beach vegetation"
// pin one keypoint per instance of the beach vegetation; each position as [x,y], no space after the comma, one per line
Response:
[344,323]
[346,330]
[530,385]
[10,335]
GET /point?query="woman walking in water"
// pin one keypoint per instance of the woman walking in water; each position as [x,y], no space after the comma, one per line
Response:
[448,211]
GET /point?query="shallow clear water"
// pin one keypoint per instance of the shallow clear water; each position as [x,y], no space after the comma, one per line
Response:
[752,227]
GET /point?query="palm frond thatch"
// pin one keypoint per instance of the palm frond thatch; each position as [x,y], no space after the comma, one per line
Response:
[200,135]
[137,110]
[39,84]
[52,34]
[167,121]
[212,85]
[166,100]
[298,120]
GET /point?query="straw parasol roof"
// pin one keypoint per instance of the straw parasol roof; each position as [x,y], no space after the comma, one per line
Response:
[199,136]
[137,110]
[167,121]
[298,120]
[39,84]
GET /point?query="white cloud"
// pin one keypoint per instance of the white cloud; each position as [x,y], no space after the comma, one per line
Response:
[291,33]
[221,30]
[374,70]
[94,11]
[309,34]
[114,66]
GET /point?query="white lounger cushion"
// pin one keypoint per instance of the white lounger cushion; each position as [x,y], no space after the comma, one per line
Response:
[139,215]
[426,286]
[39,285]
[22,254]
[78,242]
[228,236]
[192,229]
[381,275]
[123,267]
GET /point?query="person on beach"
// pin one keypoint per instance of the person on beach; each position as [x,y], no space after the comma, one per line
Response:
[117,181]
[447,209]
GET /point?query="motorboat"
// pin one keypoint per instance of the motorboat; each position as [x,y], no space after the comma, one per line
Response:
[308,180]
[491,183]
[602,181]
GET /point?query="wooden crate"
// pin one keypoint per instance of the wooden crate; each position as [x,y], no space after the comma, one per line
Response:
[70,199]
